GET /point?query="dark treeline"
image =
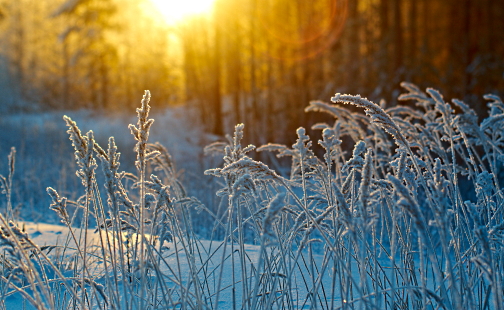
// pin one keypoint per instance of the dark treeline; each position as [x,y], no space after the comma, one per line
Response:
[253,61]
[261,61]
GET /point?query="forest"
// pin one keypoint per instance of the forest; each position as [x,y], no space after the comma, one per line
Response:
[364,170]
[250,61]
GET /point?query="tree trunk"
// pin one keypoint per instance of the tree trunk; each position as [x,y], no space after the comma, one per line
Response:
[398,42]
[216,97]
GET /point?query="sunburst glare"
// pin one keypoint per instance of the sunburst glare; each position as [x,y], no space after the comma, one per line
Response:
[174,11]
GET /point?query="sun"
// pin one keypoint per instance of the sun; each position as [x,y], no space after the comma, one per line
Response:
[174,11]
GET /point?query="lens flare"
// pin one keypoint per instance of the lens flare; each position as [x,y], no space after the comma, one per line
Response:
[175,11]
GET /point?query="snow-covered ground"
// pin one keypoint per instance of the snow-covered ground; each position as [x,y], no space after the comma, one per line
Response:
[209,257]
[389,229]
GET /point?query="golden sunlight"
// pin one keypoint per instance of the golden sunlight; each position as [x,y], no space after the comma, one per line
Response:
[174,11]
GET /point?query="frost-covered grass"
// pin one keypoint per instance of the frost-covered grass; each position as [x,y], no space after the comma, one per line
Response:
[411,219]
[42,152]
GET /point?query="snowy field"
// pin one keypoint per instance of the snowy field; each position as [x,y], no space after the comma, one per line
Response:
[44,155]
[209,264]
[411,218]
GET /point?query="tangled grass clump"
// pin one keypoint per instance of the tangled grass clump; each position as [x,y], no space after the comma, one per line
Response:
[411,219]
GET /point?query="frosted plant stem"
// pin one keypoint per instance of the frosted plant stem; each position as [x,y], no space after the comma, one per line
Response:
[30,272]
[190,253]
[320,276]
[260,263]
[308,215]
[312,276]
[118,237]
[84,253]
[12,160]
[286,268]
[393,254]
[348,292]
[141,134]
[272,295]
[117,243]
[142,228]
[305,207]
[105,246]
[228,234]
[333,282]
[233,273]
[78,248]
[422,273]
[38,305]
[241,242]
[152,254]
[178,259]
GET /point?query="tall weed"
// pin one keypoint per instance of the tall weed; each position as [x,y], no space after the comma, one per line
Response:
[412,218]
